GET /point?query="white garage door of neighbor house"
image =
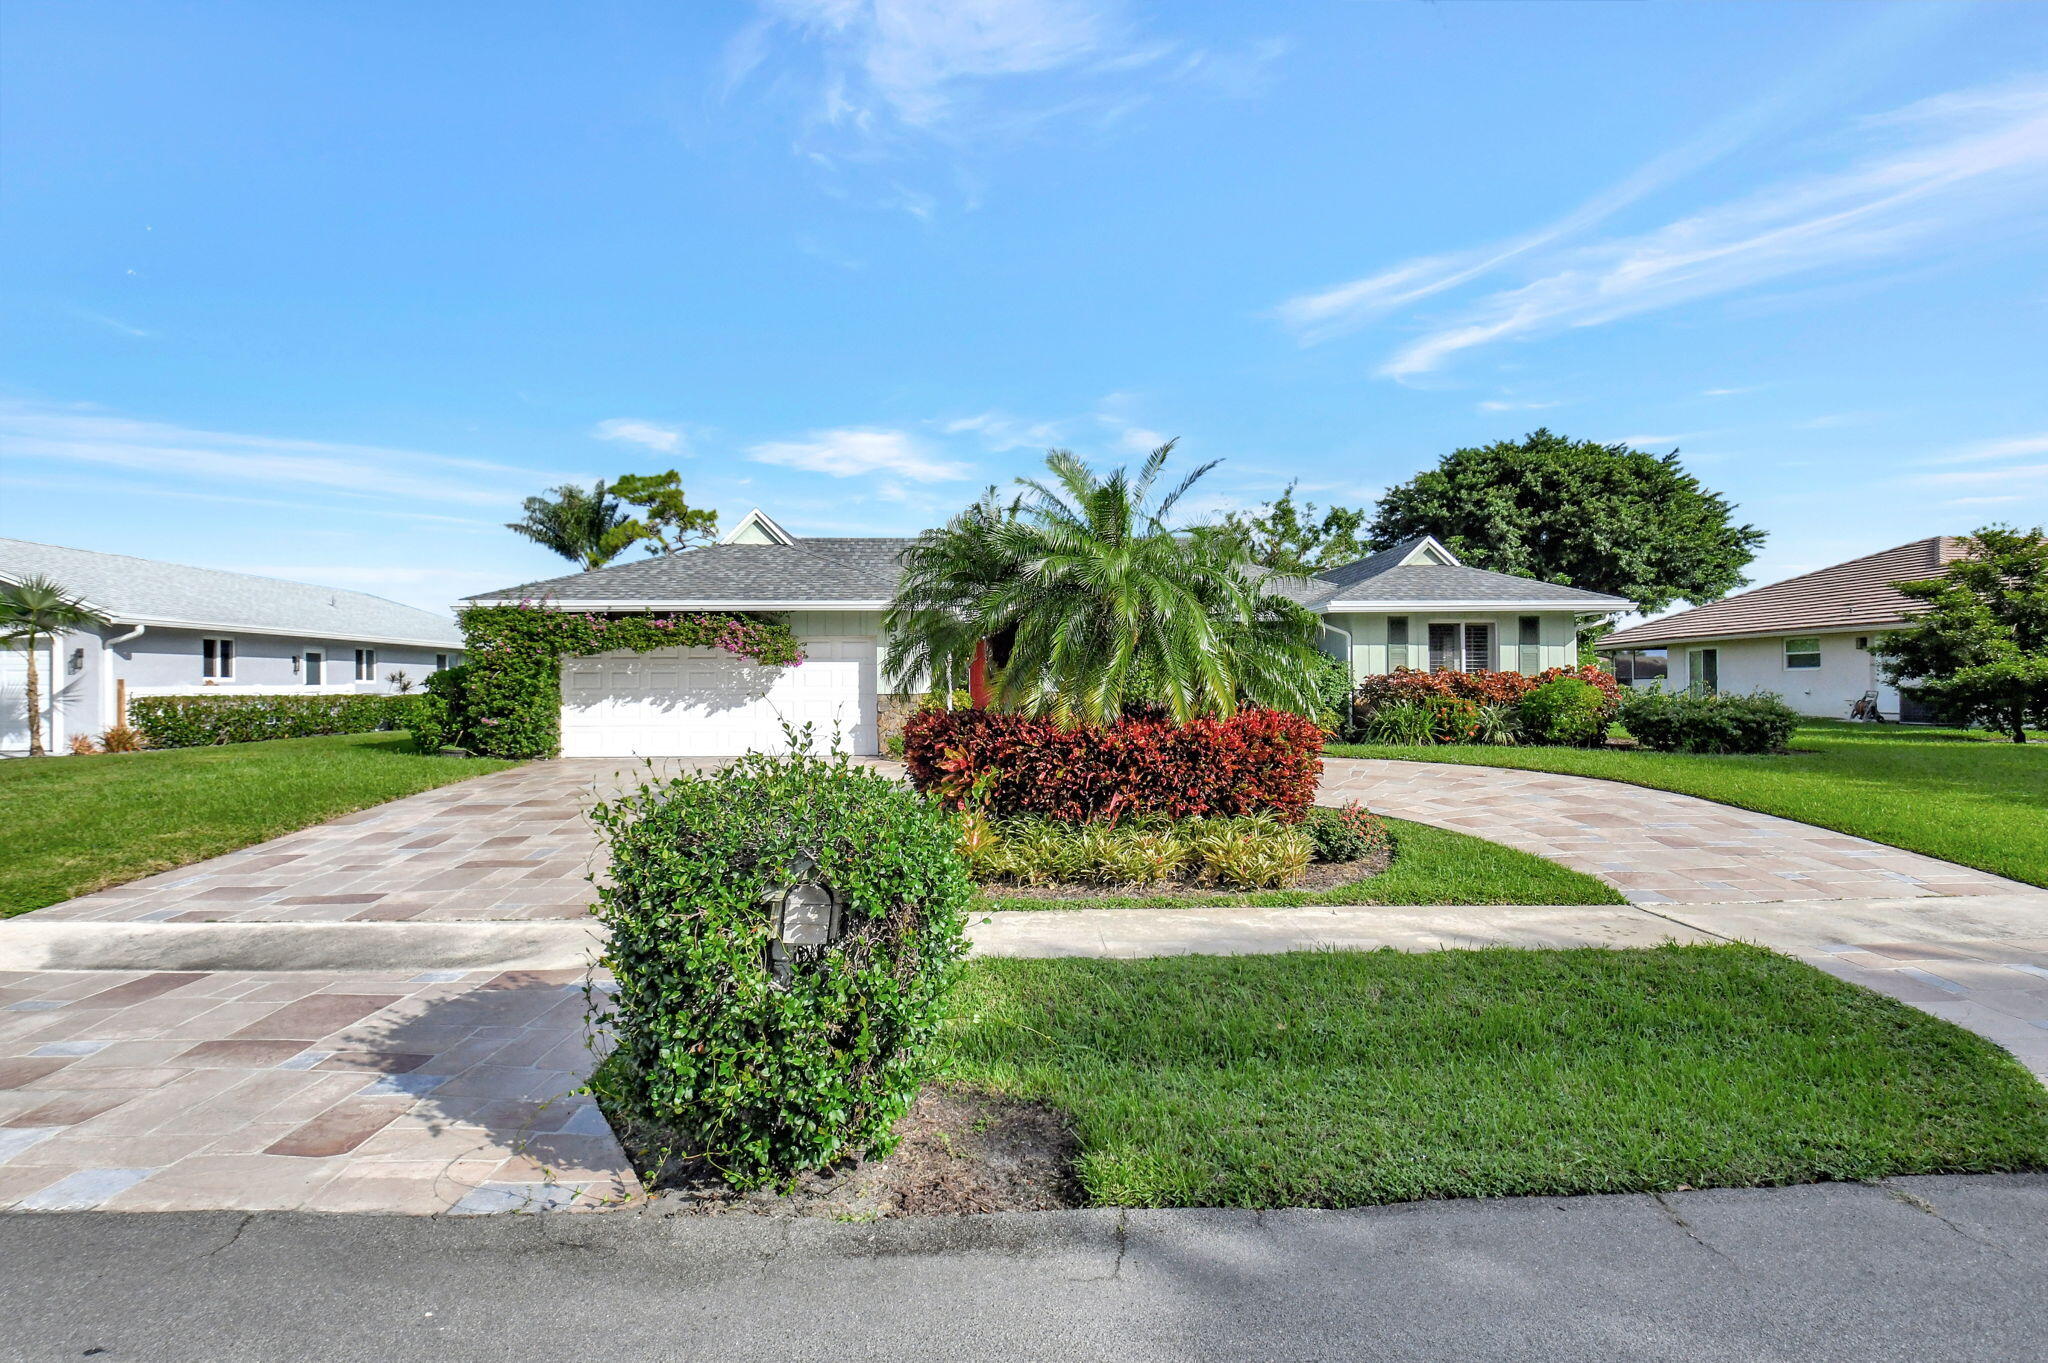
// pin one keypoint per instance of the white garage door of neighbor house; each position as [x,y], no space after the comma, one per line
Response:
[704,702]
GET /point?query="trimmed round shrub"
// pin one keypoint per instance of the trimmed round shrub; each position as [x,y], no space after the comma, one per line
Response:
[1350,832]
[762,1078]
[1683,722]
[1569,711]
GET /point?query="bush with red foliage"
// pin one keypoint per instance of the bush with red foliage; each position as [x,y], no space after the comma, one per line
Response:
[1480,688]
[1009,764]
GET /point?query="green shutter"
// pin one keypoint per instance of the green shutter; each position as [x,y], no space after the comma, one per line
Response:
[1397,642]
[1529,646]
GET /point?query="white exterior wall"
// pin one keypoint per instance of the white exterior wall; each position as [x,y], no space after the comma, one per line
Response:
[1558,644]
[840,624]
[169,662]
[1757,663]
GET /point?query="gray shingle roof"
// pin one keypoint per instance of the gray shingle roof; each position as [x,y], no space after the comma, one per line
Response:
[148,591]
[1844,596]
[825,571]
[842,572]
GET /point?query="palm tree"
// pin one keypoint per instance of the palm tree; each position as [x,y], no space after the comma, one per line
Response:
[1103,602]
[32,610]
[588,528]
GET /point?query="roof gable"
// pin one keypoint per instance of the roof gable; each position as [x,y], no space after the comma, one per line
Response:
[1849,595]
[757,528]
[1422,571]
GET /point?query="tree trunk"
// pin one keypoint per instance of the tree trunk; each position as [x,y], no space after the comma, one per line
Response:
[977,676]
[35,704]
[2019,725]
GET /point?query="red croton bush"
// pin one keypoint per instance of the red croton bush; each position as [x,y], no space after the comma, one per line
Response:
[1481,688]
[1257,760]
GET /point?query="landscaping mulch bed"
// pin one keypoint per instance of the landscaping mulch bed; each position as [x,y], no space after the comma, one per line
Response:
[1321,875]
[962,1152]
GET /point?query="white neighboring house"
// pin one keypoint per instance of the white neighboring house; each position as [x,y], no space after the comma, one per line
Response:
[179,630]
[1807,638]
[1412,605]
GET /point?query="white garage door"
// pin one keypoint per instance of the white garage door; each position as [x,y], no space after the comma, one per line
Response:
[704,702]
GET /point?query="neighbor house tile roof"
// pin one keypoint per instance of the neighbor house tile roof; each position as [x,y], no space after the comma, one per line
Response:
[148,591]
[826,571]
[1851,595]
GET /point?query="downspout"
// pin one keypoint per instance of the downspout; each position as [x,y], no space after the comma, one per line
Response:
[110,689]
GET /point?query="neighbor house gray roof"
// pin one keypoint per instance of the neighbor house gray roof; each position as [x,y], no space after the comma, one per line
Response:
[147,591]
[862,573]
[1853,595]
[845,573]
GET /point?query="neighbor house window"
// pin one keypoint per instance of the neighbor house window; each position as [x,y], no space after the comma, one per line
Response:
[1802,652]
[315,662]
[1635,665]
[1397,643]
[440,662]
[217,659]
[366,664]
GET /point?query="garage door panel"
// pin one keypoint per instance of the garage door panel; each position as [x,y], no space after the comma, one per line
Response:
[707,703]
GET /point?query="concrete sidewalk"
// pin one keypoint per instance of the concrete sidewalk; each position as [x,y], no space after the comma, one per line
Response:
[1926,1270]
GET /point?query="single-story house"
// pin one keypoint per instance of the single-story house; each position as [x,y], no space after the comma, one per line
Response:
[1807,638]
[1412,605]
[179,630]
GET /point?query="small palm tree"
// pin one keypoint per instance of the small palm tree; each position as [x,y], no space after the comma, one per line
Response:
[1104,603]
[32,610]
[588,528]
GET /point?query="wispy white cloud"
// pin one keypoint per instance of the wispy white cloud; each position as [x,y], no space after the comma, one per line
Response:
[1926,175]
[53,437]
[1000,432]
[1508,405]
[629,430]
[853,451]
[113,324]
[1725,392]
[911,62]
[2012,447]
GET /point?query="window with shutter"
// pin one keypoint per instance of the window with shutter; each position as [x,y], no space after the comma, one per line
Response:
[1478,648]
[1397,642]
[1529,645]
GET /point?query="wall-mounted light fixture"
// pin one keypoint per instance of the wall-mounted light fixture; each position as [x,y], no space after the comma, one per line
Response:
[295,664]
[77,660]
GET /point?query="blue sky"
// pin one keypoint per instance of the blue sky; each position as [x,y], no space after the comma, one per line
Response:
[323,291]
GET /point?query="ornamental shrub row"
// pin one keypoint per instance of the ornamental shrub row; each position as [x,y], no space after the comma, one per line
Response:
[1683,722]
[1562,705]
[202,721]
[1256,761]
[759,1069]
[506,700]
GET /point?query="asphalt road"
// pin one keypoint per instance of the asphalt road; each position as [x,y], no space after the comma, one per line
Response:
[1925,1269]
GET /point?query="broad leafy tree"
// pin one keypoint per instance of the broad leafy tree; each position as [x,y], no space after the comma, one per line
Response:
[32,611]
[667,523]
[1979,653]
[589,529]
[1103,602]
[1292,537]
[1604,518]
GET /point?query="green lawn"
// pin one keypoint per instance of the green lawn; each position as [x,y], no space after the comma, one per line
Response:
[1949,793]
[1430,866]
[1347,1078]
[71,825]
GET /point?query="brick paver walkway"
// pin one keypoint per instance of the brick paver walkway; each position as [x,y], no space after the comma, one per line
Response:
[439,1091]
[446,1090]
[1655,846]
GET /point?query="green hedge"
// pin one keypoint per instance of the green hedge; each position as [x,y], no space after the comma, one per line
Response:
[757,1064]
[1726,723]
[204,721]
[506,701]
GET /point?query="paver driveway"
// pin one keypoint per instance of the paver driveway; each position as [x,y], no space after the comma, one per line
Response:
[448,1090]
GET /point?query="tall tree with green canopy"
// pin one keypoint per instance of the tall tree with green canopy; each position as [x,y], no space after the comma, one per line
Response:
[1604,518]
[1979,653]
[587,528]
[1289,537]
[32,610]
[667,523]
[1104,603]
